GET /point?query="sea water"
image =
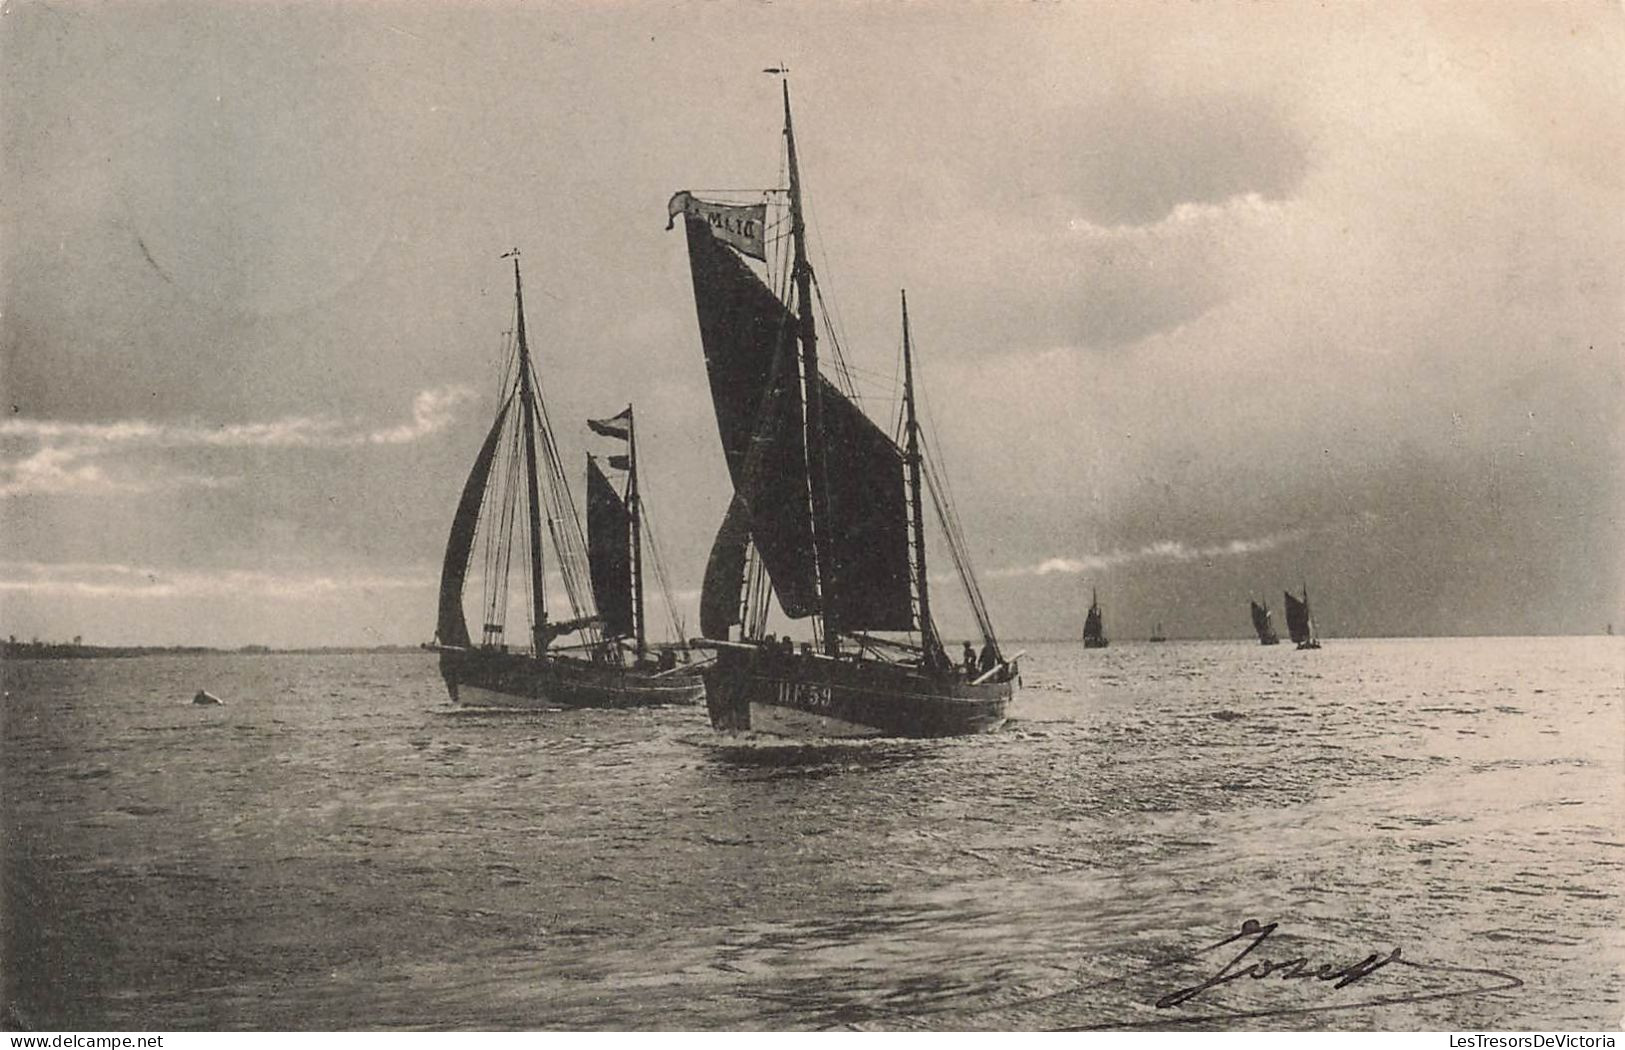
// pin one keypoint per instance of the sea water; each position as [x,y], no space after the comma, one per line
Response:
[338,847]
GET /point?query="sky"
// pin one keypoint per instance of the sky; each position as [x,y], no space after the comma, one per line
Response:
[1209,300]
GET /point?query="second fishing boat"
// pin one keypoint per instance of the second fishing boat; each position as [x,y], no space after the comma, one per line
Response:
[599,668]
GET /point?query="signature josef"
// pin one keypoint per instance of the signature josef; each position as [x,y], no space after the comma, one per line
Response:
[1300,968]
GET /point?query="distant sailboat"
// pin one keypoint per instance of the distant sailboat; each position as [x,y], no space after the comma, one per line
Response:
[1264,624]
[595,671]
[1157,635]
[1299,623]
[1094,627]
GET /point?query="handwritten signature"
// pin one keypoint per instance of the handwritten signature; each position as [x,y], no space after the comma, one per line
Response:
[1297,969]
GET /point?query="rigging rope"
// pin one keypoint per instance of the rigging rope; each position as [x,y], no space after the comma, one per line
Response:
[662,580]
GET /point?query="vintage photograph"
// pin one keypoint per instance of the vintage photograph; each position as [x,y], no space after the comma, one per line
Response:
[862,516]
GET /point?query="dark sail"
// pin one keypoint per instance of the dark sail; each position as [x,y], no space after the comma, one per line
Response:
[725,573]
[1263,625]
[1297,617]
[749,342]
[609,535]
[868,520]
[1093,628]
[451,628]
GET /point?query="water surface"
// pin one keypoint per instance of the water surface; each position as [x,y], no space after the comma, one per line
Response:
[339,848]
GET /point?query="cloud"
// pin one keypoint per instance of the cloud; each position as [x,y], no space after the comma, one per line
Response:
[63,461]
[1160,551]
[431,413]
[114,580]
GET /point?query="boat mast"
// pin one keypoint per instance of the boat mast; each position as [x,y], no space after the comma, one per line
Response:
[527,401]
[911,456]
[634,503]
[817,471]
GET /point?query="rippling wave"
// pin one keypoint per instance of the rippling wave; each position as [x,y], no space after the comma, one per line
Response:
[336,847]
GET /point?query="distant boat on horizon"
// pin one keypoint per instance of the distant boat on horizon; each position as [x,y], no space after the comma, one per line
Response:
[1264,624]
[1094,626]
[1299,623]
[1157,635]
[607,664]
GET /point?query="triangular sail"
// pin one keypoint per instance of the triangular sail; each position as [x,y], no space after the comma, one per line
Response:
[609,533]
[749,342]
[451,628]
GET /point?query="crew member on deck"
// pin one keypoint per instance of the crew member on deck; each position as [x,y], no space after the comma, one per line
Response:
[989,657]
[970,659]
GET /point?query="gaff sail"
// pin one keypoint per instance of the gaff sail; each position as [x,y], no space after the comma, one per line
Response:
[609,537]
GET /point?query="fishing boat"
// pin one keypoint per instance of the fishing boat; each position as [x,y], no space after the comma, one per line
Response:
[1264,624]
[1094,626]
[1300,625]
[584,660]
[826,514]
[1157,635]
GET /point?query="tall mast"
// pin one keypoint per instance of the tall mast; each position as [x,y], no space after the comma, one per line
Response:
[527,400]
[634,502]
[817,471]
[911,456]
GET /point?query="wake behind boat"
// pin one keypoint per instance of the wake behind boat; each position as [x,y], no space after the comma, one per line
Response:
[608,663]
[826,514]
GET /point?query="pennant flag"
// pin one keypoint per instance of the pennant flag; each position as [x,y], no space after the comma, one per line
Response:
[618,426]
[741,226]
[621,462]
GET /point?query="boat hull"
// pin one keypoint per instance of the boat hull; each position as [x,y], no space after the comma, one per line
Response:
[802,695]
[487,678]
[1095,643]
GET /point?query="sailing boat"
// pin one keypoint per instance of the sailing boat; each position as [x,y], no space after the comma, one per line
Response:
[826,513]
[1157,635]
[1094,627]
[1264,624]
[1299,624]
[594,671]
[617,535]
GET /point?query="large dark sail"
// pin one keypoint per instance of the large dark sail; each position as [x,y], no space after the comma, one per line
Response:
[749,341]
[451,628]
[1297,617]
[609,534]
[868,520]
